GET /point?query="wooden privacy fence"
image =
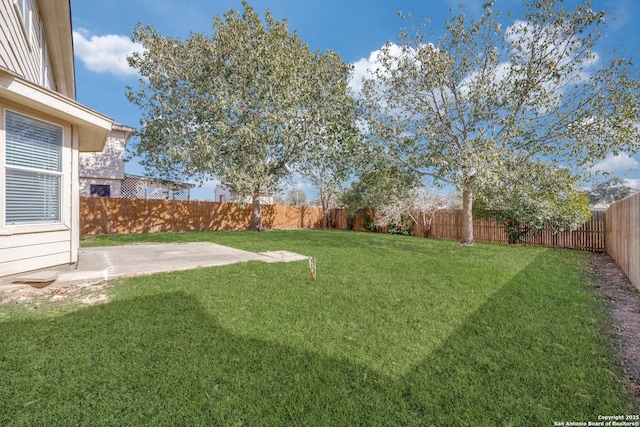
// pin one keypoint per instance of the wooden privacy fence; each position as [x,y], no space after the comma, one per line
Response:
[617,232]
[447,224]
[623,236]
[590,236]
[101,215]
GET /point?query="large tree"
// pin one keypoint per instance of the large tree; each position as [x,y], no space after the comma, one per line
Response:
[241,105]
[461,108]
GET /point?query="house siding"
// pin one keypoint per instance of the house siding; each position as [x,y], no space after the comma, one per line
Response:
[108,163]
[33,251]
[37,80]
[34,246]
[106,167]
[223,194]
[23,51]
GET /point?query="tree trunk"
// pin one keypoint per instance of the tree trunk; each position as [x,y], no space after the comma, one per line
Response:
[255,210]
[325,220]
[467,217]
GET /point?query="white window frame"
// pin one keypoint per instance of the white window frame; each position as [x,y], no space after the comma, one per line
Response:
[25,13]
[45,66]
[63,222]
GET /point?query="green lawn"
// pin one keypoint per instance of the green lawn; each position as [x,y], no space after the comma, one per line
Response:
[394,331]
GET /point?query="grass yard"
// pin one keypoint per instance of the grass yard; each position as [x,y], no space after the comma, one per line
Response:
[394,331]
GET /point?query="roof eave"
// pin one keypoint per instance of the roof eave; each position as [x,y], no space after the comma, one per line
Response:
[93,127]
[56,21]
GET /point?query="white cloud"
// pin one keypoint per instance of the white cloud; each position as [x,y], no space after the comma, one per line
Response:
[360,70]
[105,54]
[633,183]
[616,163]
[364,68]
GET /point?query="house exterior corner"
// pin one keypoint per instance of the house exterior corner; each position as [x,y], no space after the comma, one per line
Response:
[42,131]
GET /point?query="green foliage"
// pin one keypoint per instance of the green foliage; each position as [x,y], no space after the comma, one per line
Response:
[497,336]
[462,107]
[242,105]
[403,227]
[333,154]
[352,199]
[368,222]
[375,187]
[609,191]
[531,195]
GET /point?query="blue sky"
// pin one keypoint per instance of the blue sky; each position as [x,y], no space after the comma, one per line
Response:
[352,28]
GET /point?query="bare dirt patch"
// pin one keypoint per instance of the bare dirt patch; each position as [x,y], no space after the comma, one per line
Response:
[25,294]
[622,301]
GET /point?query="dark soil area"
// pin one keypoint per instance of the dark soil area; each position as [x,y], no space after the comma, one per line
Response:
[622,300]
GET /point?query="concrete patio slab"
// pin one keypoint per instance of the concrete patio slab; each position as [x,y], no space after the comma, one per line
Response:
[281,256]
[112,262]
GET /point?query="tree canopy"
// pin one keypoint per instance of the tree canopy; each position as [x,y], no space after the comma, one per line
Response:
[530,196]
[376,187]
[467,106]
[609,191]
[329,162]
[241,105]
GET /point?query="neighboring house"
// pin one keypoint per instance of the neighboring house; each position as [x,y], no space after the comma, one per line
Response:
[102,173]
[42,130]
[226,193]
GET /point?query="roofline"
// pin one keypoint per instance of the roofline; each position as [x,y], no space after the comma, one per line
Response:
[128,131]
[160,180]
[56,20]
[93,127]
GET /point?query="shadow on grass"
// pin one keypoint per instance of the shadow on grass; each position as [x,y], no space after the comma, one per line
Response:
[164,360]
[127,363]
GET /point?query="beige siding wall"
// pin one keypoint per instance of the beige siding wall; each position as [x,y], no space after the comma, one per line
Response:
[25,252]
[108,163]
[105,167]
[25,53]
[29,247]
[23,49]
[223,194]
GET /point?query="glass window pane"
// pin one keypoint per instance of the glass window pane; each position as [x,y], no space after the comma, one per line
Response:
[33,143]
[100,190]
[32,197]
[33,185]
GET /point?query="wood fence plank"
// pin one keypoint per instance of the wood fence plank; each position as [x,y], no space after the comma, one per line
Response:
[622,222]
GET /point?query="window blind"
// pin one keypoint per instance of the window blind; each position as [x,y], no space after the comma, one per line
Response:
[33,170]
